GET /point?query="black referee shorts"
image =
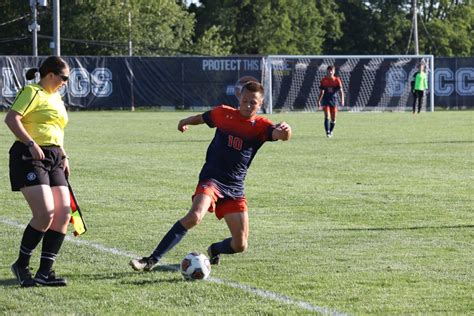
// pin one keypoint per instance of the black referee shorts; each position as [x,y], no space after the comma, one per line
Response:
[26,172]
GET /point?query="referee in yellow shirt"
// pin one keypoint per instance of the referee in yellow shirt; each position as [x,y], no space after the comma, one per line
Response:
[38,168]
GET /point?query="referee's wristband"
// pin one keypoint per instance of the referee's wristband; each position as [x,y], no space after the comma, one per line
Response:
[64,157]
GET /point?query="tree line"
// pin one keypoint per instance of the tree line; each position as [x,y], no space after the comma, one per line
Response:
[226,27]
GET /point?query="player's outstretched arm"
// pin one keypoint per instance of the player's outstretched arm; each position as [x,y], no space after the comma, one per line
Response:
[192,120]
[282,131]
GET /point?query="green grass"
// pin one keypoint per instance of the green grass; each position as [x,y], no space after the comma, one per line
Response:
[377,220]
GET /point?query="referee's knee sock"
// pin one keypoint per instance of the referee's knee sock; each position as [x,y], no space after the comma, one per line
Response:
[52,242]
[31,239]
[331,126]
[222,247]
[171,239]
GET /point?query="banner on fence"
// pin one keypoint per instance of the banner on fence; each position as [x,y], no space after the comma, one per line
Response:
[121,82]
[189,82]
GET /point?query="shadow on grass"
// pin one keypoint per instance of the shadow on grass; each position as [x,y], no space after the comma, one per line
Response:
[8,282]
[11,281]
[124,275]
[403,228]
[152,281]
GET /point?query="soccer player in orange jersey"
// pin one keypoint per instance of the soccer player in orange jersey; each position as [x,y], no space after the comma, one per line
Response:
[329,86]
[240,133]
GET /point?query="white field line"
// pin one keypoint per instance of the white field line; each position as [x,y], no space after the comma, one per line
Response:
[262,293]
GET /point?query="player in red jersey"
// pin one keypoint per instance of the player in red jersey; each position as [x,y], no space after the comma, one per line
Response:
[238,85]
[239,135]
[327,99]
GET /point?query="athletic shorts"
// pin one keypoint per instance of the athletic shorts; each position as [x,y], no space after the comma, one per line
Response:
[26,172]
[329,108]
[220,205]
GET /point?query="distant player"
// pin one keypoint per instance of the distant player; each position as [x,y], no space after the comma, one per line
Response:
[419,85]
[239,135]
[327,99]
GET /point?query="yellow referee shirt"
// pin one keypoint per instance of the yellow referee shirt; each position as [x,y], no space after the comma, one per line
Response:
[44,114]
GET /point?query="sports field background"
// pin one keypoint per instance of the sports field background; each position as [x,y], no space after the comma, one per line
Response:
[378,219]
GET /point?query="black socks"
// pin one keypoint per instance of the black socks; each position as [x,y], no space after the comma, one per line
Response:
[171,239]
[222,247]
[52,242]
[31,239]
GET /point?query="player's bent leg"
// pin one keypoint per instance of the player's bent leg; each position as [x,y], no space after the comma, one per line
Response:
[201,204]
[239,228]
[238,224]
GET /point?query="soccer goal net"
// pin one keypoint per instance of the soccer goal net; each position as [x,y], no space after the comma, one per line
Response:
[370,83]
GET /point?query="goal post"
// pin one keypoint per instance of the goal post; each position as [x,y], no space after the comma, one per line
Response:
[370,83]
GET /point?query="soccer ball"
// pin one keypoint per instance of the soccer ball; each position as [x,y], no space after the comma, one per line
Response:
[195,266]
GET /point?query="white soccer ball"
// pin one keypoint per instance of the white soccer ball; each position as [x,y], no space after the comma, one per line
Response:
[195,266]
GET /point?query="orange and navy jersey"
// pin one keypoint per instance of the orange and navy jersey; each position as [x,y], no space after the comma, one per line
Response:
[330,88]
[231,151]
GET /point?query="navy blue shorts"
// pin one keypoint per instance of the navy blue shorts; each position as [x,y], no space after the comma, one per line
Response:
[26,172]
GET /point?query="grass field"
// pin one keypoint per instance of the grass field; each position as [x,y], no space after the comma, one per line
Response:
[377,220]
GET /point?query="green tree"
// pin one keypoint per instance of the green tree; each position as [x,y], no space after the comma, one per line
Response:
[270,26]
[15,39]
[157,27]
[447,28]
[101,27]
[222,27]
[211,43]
[373,27]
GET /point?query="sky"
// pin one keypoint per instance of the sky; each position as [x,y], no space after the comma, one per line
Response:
[188,2]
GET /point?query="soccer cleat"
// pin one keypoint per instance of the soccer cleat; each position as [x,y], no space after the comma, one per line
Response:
[214,260]
[49,279]
[329,135]
[23,275]
[144,264]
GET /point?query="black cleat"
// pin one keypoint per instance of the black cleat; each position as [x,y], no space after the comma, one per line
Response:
[144,264]
[214,260]
[49,279]
[23,275]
